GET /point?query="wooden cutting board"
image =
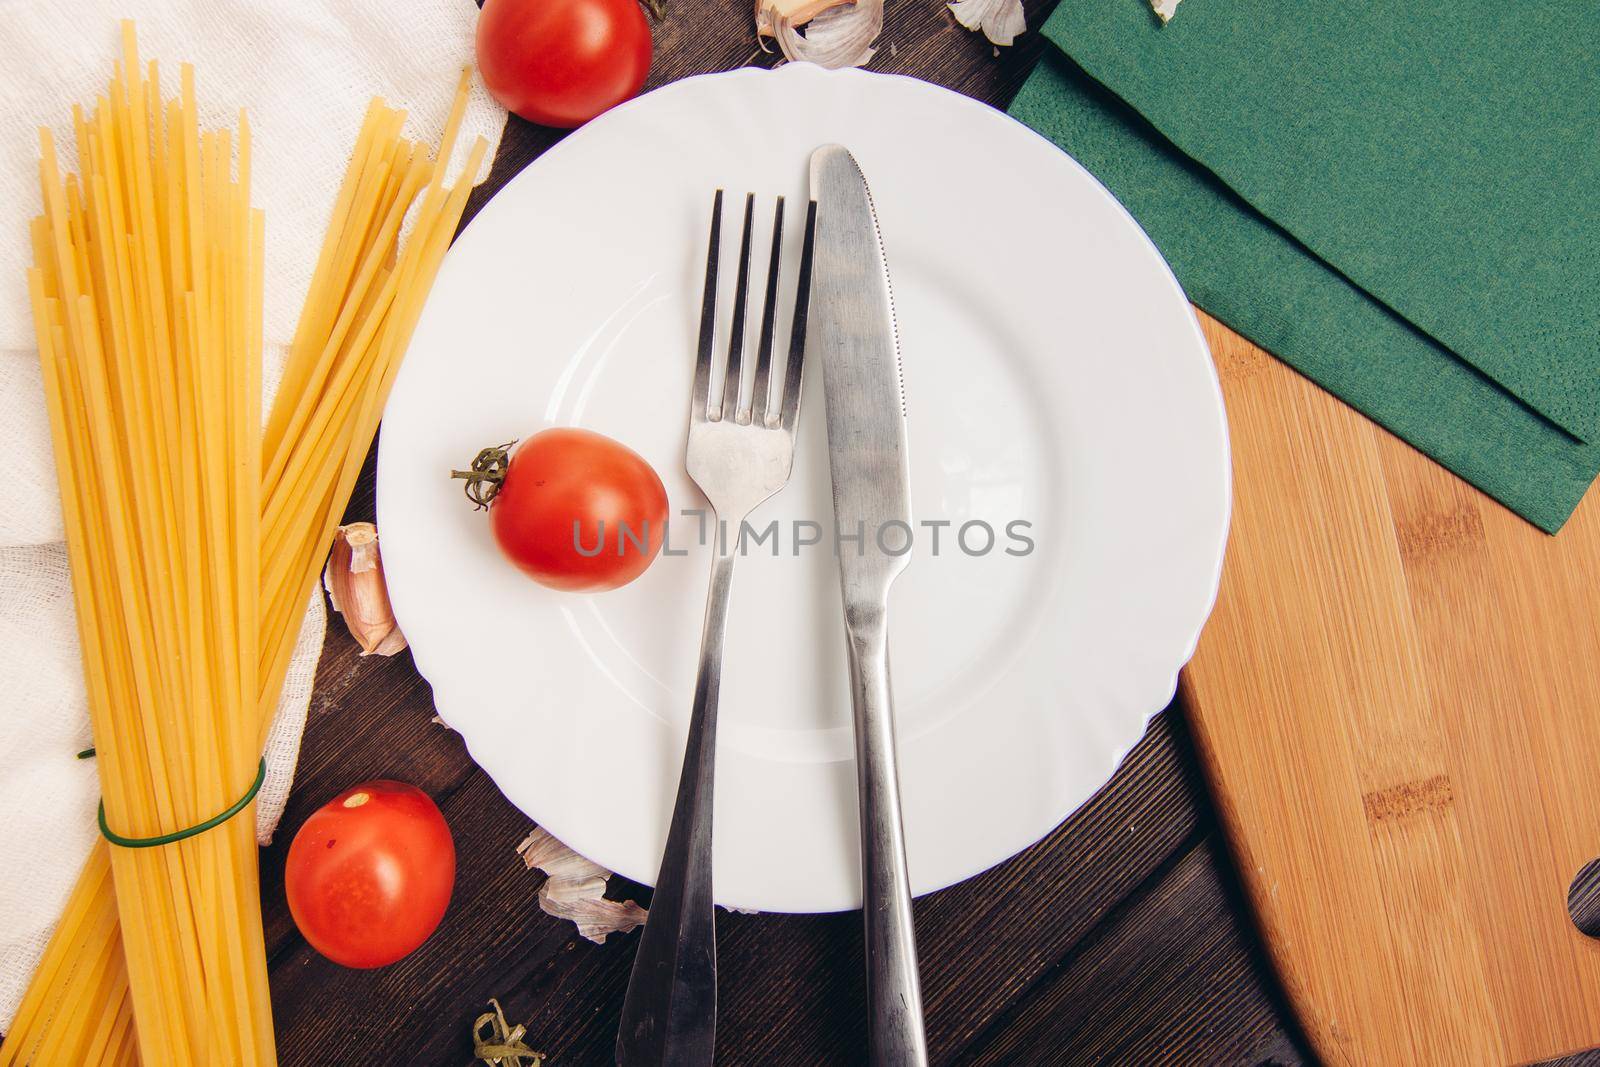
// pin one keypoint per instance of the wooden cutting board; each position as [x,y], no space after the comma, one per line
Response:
[1397,702]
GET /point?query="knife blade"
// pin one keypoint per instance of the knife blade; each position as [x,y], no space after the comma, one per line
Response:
[852,326]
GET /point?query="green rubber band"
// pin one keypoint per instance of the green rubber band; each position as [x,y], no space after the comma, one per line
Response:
[178,835]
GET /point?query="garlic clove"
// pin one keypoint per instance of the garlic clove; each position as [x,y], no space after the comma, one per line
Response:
[394,642]
[356,587]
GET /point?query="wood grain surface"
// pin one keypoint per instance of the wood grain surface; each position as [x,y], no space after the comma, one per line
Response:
[1395,701]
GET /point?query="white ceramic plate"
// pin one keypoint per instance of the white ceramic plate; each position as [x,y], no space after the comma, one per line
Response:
[1054,374]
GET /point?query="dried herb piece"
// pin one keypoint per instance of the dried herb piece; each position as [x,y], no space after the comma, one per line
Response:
[500,1045]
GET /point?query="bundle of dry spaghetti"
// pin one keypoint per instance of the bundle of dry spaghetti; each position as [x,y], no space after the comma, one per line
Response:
[195,538]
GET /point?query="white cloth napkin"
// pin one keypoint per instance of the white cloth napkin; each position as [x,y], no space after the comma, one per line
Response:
[305,72]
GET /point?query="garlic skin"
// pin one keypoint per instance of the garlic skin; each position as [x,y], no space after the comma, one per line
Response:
[356,587]
[1000,20]
[574,889]
[1165,9]
[840,36]
[795,12]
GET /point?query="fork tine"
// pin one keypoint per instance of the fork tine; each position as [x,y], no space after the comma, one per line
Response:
[793,378]
[731,378]
[700,401]
[760,396]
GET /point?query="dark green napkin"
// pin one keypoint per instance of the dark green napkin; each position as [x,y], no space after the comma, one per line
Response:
[1443,158]
[1253,275]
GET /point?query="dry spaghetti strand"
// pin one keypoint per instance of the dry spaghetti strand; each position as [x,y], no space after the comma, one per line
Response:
[195,536]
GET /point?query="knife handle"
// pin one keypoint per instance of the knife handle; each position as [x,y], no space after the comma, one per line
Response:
[895,1035]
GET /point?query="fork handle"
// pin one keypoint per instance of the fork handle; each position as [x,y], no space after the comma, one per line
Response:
[669,1016]
[895,1035]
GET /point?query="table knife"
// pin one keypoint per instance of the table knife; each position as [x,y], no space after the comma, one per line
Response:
[853,333]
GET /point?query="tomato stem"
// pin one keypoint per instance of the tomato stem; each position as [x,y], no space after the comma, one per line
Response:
[487,475]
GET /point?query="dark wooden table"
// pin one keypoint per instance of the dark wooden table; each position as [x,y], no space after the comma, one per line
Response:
[1120,938]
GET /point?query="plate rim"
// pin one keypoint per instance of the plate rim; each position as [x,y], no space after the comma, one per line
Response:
[486,755]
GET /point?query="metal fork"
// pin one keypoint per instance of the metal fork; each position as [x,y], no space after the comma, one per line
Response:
[739,455]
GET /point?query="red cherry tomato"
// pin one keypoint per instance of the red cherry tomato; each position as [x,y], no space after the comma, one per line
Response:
[578,511]
[369,875]
[562,62]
